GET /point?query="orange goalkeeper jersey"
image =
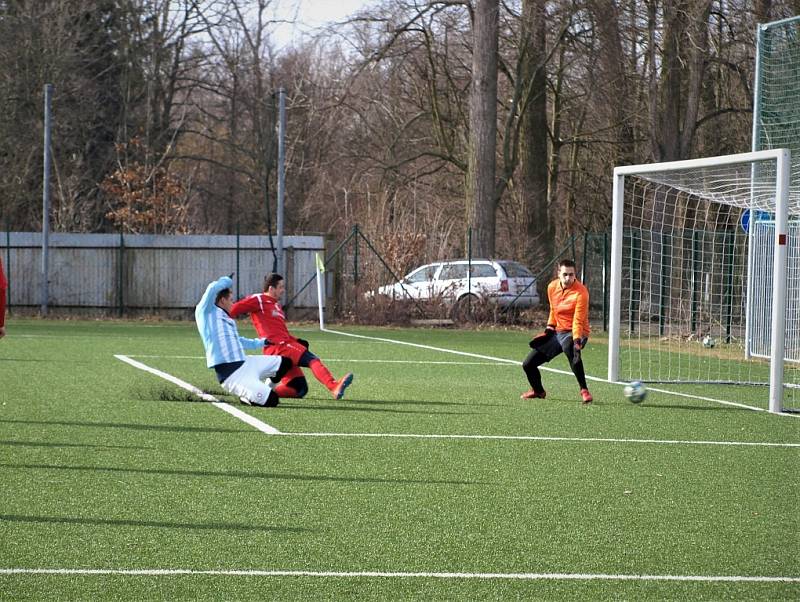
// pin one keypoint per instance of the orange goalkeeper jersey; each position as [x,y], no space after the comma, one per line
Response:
[569,308]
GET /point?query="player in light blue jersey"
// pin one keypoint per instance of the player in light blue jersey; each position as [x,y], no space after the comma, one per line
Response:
[240,374]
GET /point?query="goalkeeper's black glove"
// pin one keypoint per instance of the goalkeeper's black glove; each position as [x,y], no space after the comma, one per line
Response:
[266,342]
[303,342]
[538,340]
[577,346]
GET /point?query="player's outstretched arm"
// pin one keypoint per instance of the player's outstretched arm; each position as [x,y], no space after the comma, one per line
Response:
[245,306]
[253,343]
[207,301]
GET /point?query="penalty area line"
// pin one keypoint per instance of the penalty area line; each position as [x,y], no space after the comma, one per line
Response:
[555,370]
[225,407]
[545,439]
[409,575]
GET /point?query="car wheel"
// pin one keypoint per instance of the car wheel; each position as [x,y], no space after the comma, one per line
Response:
[464,308]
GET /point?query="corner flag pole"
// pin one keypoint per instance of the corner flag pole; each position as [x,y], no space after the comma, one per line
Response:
[45,275]
[320,290]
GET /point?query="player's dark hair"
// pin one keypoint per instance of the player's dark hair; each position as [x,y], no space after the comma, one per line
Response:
[566,263]
[226,292]
[271,279]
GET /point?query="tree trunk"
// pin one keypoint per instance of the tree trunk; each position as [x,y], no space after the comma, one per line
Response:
[533,137]
[684,49]
[615,94]
[697,56]
[481,200]
[667,140]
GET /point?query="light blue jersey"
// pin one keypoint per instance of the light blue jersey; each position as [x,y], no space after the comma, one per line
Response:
[218,330]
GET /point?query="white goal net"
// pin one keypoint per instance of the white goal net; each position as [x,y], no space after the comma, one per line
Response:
[705,278]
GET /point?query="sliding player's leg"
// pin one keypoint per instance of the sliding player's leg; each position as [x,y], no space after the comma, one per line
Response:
[248,382]
[293,384]
[301,356]
[323,375]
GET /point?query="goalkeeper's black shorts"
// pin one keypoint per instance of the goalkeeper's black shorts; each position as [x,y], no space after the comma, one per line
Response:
[554,346]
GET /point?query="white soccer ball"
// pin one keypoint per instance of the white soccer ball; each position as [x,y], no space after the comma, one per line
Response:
[635,392]
[708,341]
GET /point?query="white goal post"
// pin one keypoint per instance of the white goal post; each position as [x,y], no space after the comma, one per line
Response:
[689,281]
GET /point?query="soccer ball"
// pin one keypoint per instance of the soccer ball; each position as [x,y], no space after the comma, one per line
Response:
[635,392]
[708,341]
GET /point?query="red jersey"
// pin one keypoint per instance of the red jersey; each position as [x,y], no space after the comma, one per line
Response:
[267,316]
[3,287]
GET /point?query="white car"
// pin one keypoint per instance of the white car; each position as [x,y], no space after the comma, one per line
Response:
[495,281]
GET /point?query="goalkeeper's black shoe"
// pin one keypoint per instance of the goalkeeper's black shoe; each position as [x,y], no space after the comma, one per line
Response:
[533,394]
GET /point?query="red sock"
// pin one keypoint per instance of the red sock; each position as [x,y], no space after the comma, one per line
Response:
[322,374]
[283,390]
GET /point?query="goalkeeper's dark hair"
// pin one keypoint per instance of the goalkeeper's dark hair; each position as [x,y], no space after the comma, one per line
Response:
[566,263]
[226,292]
[271,279]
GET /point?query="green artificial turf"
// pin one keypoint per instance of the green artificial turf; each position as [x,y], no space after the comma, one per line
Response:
[108,467]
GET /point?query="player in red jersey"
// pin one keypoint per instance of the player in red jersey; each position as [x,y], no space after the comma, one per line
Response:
[270,323]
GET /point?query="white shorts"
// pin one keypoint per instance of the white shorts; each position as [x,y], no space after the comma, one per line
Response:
[248,380]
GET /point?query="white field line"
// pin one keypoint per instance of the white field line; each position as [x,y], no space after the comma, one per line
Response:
[544,438]
[556,370]
[265,428]
[410,575]
[243,416]
[420,346]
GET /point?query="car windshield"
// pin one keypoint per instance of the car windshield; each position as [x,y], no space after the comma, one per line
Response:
[516,270]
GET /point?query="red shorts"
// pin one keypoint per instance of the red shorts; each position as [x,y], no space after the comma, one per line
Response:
[291,349]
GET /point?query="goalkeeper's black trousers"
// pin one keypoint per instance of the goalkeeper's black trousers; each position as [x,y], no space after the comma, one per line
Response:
[537,358]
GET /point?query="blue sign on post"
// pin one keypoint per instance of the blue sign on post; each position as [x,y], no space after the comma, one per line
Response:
[758,215]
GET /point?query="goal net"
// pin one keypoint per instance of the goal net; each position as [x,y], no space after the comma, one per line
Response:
[705,278]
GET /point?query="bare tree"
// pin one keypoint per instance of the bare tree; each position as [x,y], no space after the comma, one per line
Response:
[481,197]
[533,177]
[235,139]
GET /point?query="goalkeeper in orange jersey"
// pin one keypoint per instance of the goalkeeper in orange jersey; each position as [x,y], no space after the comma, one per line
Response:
[567,331]
[270,323]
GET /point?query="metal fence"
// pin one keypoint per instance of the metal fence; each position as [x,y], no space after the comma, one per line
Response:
[134,274]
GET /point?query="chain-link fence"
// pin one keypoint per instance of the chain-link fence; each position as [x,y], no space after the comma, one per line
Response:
[365,285]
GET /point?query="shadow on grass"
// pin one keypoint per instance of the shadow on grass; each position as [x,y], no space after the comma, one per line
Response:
[287,402]
[268,476]
[42,361]
[340,408]
[58,444]
[69,520]
[419,402]
[673,406]
[135,427]
[171,394]
[559,400]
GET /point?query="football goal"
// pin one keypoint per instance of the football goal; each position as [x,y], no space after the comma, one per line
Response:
[705,277]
